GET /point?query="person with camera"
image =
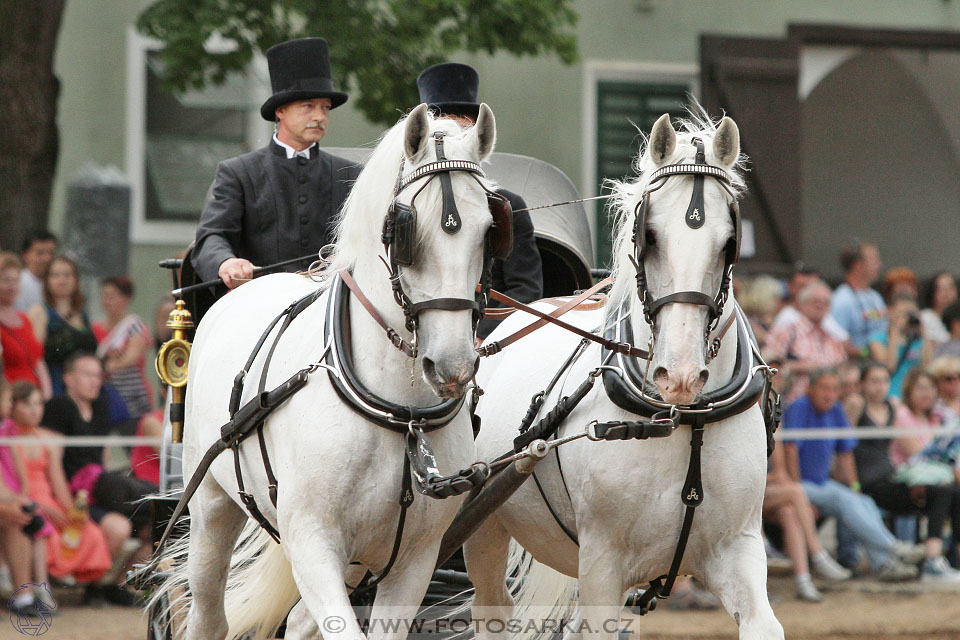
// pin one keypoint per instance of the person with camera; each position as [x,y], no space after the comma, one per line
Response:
[903,345]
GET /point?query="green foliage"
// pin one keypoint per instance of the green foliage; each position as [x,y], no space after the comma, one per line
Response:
[377,47]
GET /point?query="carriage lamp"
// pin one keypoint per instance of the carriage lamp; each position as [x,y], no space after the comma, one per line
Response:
[172,360]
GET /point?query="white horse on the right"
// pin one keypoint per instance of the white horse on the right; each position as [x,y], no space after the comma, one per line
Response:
[622,500]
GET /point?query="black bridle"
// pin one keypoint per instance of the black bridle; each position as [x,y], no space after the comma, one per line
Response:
[400,231]
[695,218]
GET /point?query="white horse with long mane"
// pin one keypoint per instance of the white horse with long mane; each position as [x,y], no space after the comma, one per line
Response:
[620,502]
[339,475]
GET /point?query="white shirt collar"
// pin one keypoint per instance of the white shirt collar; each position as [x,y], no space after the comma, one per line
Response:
[293,153]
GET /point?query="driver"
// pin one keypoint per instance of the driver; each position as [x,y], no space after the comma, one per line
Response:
[451,89]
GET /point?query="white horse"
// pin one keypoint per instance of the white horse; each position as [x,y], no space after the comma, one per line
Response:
[339,475]
[622,500]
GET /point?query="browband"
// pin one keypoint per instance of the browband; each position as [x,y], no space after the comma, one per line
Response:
[690,169]
[440,166]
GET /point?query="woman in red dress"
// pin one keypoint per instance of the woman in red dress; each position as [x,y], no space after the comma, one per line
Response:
[22,352]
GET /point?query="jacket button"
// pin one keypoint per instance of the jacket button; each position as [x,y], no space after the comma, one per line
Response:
[303,242]
[302,179]
[303,198]
[301,160]
[304,219]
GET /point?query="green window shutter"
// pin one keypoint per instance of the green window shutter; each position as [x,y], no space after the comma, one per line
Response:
[621,108]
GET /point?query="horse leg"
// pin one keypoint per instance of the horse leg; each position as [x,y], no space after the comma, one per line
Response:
[399,596]
[301,625]
[215,524]
[486,553]
[318,563]
[602,584]
[736,572]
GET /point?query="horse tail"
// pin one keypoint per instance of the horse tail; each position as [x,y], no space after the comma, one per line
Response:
[260,587]
[539,594]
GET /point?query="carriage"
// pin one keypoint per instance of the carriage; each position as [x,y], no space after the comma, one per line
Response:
[701,366]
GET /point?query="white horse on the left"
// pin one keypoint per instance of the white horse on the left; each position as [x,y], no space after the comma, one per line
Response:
[339,475]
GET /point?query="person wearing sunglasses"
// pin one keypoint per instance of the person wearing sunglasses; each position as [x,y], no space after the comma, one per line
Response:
[946,371]
[450,88]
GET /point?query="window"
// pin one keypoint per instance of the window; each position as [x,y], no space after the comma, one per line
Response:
[622,107]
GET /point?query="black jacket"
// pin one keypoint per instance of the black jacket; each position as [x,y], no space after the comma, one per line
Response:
[266,208]
[521,276]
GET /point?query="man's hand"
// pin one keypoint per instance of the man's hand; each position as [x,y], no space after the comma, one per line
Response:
[12,513]
[235,271]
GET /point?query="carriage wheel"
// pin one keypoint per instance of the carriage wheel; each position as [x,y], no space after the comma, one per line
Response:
[162,619]
[158,620]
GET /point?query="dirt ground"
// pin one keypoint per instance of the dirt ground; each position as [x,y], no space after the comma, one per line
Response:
[859,610]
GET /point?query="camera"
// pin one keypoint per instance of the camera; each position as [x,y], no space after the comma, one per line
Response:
[36,522]
[913,320]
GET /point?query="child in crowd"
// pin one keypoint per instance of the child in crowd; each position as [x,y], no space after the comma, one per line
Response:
[75,548]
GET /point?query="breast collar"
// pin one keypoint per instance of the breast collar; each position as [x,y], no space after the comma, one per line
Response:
[339,366]
[623,377]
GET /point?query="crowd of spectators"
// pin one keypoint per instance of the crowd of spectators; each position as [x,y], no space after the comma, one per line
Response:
[71,514]
[870,358]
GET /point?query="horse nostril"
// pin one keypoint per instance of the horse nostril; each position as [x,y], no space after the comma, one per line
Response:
[704,375]
[429,367]
[659,372]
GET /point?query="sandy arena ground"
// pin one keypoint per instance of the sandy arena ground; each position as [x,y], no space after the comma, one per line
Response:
[860,610]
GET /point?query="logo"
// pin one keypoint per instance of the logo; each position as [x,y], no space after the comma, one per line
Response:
[693,495]
[44,604]
[451,221]
[695,215]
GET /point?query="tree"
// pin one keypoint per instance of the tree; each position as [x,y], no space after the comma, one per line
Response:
[377,46]
[29,142]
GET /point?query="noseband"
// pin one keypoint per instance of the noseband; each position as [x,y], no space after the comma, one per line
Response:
[399,234]
[695,218]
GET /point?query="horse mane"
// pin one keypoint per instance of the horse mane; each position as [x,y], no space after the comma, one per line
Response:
[626,194]
[361,216]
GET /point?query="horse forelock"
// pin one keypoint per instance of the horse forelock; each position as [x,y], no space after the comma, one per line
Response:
[360,218]
[626,195]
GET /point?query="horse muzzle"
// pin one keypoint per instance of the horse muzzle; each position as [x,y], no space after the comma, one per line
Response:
[449,380]
[680,385]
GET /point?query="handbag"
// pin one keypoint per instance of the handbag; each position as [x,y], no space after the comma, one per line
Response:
[924,472]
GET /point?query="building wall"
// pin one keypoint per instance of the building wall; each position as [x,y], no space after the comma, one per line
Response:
[540,103]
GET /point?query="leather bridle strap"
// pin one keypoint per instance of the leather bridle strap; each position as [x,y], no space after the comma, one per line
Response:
[611,345]
[688,297]
[559,311]
[444,304]
[395,339]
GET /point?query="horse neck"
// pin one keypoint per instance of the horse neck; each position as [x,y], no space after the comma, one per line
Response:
[378,364]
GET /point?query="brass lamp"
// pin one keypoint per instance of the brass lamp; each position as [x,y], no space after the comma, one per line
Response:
[172,360]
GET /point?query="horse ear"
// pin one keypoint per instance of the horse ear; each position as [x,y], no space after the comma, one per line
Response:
[486,131]
[726,142]
[663,139]
[416,133]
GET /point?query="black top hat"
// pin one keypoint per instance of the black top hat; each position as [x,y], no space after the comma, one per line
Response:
[299,70]
[450,87]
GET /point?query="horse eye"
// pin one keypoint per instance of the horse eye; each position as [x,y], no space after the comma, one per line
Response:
[650,237]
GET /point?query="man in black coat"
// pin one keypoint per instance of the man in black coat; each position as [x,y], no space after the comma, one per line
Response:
[279,202]
[451,89]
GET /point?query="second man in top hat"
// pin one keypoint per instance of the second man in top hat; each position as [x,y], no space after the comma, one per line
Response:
[451,89]
[279,202]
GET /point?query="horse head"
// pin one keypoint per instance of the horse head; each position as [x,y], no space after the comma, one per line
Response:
[450,248]
[685,233]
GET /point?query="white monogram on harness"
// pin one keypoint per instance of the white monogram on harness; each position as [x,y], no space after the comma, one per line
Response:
[695,215]
[693,495]
[450,221]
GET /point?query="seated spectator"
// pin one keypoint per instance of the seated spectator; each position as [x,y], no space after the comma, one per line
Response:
[17,547]
[951,320]
[785,503]
[940,293]
[803,275]
[22,352]
[900,282]
[805,345]
[809,462]
[60,321]
[903,345]
[878,479]
[115,496]
[145,459]
[37,251]
[856,307]
[761,301]
[46,485]
[946,371]
[124,340]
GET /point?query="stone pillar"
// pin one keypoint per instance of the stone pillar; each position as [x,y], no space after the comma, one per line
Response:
[96,230]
